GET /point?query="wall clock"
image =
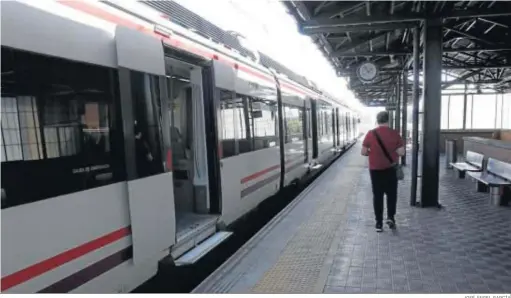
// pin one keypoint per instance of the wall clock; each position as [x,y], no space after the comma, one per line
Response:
[367,71]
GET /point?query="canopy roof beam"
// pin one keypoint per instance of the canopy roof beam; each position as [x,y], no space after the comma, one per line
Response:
[409,52]
[396,18]
[344,29]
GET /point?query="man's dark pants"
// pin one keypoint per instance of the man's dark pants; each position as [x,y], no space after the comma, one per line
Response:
[384,182]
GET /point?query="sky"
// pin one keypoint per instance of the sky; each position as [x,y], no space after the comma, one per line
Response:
[266,24]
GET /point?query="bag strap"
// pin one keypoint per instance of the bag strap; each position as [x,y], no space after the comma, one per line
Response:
[382,146]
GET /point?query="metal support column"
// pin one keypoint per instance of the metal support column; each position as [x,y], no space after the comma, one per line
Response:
[415,116]
[390,110]
[393,113]
[465,108]
[432,34]
[405,112]
[398,103]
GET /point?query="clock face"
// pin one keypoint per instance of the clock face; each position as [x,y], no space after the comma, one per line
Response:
[367,71]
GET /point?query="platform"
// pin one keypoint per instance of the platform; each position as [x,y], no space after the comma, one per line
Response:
[325,241]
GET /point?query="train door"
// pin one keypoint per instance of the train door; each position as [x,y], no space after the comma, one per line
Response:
[149,190]
[348,128]
[342,124]
[314,120]
[334,134]
[310,142]
[196,216]
[337,133]
[295,139]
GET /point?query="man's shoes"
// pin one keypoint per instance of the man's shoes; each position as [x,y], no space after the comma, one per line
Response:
[391,223]
[379,227]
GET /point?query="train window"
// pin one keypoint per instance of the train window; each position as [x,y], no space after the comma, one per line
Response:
[343,126]
[228,121]
[265,123]
[248,123]
[20,129]
[293,124]
[348,126]
[309,130]
[333,122]
[323,123]
[59,132]
[328,121]
[146,115]
[236,128]
[244,124]
[320,122]
[325,120]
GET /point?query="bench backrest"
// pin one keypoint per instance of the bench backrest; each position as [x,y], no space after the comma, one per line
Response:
[499,168]
[474,158]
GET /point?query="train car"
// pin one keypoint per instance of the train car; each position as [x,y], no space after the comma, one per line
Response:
[128,140]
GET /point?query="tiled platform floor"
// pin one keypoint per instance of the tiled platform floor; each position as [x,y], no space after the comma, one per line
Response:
[326,242]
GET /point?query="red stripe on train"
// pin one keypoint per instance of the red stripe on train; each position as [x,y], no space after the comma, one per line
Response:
[40,268]
[267,170]
[260,173]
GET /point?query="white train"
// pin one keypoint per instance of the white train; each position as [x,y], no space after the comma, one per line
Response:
[128,139]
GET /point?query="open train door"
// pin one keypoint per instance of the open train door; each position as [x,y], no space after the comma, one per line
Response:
[337,129]
[314,118]
[146,143]
[194,157]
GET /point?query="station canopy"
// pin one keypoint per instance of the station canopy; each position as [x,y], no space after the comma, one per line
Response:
[476,41]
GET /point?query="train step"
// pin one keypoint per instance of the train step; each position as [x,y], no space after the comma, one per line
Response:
[202,249]
[316,166]
[192,229]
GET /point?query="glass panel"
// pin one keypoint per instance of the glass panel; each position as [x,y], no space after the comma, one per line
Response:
[445,112]
[456,111]
[498,116]
[247,123]
[468,124]
[55,123]
[484,111]
[264,115]
[244,123]
[309,116]
[506,111]
[294,123]
[325,119]
[147,111]
[228,124]
[11,129]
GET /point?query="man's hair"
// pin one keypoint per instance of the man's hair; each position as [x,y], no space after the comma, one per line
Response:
[382,117]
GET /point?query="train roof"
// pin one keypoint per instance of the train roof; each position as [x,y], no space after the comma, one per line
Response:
[165,15]
[197,24]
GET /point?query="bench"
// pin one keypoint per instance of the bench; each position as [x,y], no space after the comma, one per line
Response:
[473,163]
[496,178]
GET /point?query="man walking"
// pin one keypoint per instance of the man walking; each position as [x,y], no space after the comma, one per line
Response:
[383,145]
